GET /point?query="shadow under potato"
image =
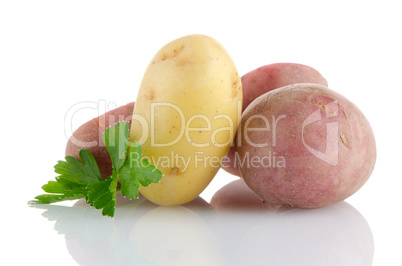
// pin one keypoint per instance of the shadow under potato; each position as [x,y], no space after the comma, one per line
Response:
[237,196]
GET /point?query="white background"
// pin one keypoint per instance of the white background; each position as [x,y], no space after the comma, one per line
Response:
[55,54]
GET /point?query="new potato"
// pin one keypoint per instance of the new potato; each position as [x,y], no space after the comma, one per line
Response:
[265,79]
[186,113]
[304,145]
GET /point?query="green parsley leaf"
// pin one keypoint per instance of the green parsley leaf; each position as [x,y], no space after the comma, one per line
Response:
[83,171]
[141,168]
[51,198]
[135,152]
[146,173]
[116,142]
[64,186]
[102,195]
[137,170]
[82,179]
[74,176]
[129,184]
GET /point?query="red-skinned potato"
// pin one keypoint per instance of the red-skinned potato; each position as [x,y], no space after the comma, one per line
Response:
[305,146]
[273,76]
[89,136]
[265,79]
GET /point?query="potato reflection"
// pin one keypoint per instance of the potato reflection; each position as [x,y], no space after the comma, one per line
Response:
[143,233]
[273,235]
[334,235]
[175,236]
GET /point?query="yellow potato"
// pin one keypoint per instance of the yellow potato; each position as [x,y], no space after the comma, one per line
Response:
[186,114]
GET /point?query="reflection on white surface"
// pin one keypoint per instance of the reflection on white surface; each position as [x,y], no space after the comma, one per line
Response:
[197,234]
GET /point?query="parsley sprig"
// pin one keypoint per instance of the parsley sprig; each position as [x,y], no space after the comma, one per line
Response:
[81,178]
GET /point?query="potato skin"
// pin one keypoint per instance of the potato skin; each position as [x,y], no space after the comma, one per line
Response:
[319,147]
[89,136]
[273,76]
[265,79]
[186,114]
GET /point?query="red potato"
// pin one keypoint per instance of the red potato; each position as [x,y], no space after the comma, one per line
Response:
[273,76]
[89,136]
[267,78]
[305,146]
